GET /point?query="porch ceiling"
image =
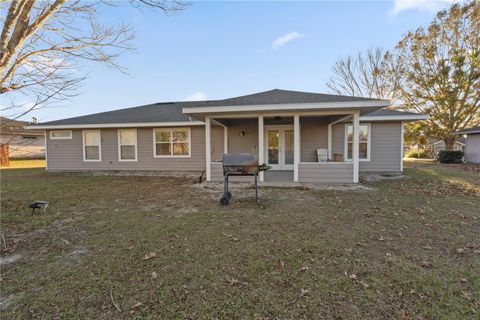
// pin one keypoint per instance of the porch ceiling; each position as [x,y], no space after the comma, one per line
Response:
[274,120]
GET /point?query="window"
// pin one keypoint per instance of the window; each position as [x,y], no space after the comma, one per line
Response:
[171,142]
[127,144]
[92,145]
[364,142]
[30,137]
[60,134]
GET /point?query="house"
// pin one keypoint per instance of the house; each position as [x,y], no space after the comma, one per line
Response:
[22,143]
[438,145]
[284,128]
[472,143]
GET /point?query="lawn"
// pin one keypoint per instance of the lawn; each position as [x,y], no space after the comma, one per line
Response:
[30,163]
[112,247]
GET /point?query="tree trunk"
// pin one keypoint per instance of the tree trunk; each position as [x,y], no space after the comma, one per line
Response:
[449,143]
[4,158]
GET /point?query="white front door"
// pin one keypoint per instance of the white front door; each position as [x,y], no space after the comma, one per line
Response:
[279,147]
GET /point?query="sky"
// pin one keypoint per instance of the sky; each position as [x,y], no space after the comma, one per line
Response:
[216,50]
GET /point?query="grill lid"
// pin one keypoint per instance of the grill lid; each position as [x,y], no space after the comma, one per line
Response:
[240,159]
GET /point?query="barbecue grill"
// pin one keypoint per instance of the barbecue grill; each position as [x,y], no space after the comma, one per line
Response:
[240,164]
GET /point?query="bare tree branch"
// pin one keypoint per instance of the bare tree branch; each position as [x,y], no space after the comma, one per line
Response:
[366,75]
[43,44]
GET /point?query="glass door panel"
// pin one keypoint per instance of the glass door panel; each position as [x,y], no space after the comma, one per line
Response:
[288,146]
[273,137]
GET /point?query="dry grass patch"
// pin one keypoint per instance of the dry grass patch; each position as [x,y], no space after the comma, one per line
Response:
[160,248]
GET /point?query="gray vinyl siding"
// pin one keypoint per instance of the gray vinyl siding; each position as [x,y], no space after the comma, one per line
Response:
[338,139]
[472,148]
[325,172]
[246,143]
[313,136]
[385,146]
[67,155]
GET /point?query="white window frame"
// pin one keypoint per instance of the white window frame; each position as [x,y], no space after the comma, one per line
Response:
[345,150]
[119,146]
[189,140]
[99,146]
[61,138]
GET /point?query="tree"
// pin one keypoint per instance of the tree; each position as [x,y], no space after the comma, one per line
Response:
[44,43]
[439,69]
[368,74]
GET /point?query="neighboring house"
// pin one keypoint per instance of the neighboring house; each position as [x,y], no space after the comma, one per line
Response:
[472,143]
[22,143]
[438,145]
[287,127]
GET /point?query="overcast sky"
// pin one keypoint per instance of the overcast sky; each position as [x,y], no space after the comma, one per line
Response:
[216,50]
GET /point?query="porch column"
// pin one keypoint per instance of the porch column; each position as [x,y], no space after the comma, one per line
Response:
[329,141]
[208,148]
[261,146]
[401,146]
[225,139]
[356,148]
[296,146]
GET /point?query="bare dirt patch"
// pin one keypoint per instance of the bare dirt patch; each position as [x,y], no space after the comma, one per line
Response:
[163,247]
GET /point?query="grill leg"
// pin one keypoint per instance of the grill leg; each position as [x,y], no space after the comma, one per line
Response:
[224,201]
[256,190]
[225,185]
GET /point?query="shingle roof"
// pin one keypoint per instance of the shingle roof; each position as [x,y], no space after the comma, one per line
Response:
[475,129]
[172,111]
[157,112]
[10,126]
[277,96]
[389,113]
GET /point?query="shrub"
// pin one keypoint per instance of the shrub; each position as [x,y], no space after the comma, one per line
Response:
[418,154]
[446,156]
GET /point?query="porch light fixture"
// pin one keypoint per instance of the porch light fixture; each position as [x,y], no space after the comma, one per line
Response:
[241,133]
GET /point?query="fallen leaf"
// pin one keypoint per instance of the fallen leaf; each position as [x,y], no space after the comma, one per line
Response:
[460,250]
[467,295]
[353,276]
[464,280]
[381,238]
[427,248]
[233,282]
[425,263]
[154,275]
[149,256]
[304,292]
[303,269]
[137,305]
[282,263]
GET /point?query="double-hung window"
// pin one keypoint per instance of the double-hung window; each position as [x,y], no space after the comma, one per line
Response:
[364,142]
[92,145]
[171,142]
[127,144]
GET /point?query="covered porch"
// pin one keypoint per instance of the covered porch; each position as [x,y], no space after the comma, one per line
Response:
[288,142]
